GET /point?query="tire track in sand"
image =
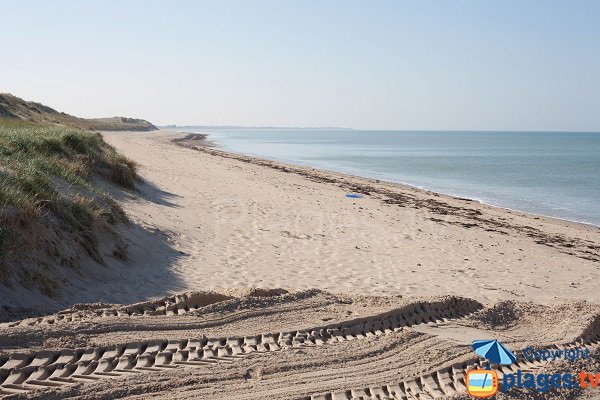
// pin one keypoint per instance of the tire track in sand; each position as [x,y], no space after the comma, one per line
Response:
[449,381]
[22,372]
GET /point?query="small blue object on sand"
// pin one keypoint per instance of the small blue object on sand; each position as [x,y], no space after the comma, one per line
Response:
[353,195]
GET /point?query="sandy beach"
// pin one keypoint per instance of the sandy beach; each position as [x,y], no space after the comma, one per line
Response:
[243,222]
[255,279]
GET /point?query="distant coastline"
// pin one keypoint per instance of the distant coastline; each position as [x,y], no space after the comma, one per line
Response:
[333,128]
[249,127]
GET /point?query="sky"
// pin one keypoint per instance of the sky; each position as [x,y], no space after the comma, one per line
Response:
[448,65]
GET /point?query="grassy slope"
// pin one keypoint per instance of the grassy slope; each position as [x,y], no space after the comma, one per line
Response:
[12,107]
[47,178]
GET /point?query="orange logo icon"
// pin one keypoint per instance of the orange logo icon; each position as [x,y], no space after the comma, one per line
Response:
[482,383]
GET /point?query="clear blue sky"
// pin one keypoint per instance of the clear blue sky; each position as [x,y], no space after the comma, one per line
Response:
[497,65]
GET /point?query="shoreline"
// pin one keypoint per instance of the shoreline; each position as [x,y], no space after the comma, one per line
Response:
[241,221]
[190,141]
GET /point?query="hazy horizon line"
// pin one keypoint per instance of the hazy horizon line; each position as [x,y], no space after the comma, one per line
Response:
[172,126]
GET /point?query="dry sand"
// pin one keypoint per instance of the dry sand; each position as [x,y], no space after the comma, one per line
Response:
[276,345]
[380,296]
[245,222]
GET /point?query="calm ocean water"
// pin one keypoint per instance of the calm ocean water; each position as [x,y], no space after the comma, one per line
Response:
[548,173]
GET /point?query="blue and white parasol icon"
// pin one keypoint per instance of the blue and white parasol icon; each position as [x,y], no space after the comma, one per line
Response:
[494,352]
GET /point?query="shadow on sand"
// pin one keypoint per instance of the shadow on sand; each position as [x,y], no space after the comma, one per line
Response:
[150,192]
[137,260]
[144,190]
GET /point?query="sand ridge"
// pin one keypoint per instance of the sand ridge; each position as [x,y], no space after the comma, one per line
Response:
[318,346]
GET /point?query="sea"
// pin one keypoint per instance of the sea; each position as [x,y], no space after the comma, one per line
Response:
[554,174]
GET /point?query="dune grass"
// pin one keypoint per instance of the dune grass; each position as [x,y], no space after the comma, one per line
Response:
[16,108]
[53,169]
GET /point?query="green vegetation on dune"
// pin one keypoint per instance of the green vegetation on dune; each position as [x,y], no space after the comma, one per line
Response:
[47,176]
[12,107]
